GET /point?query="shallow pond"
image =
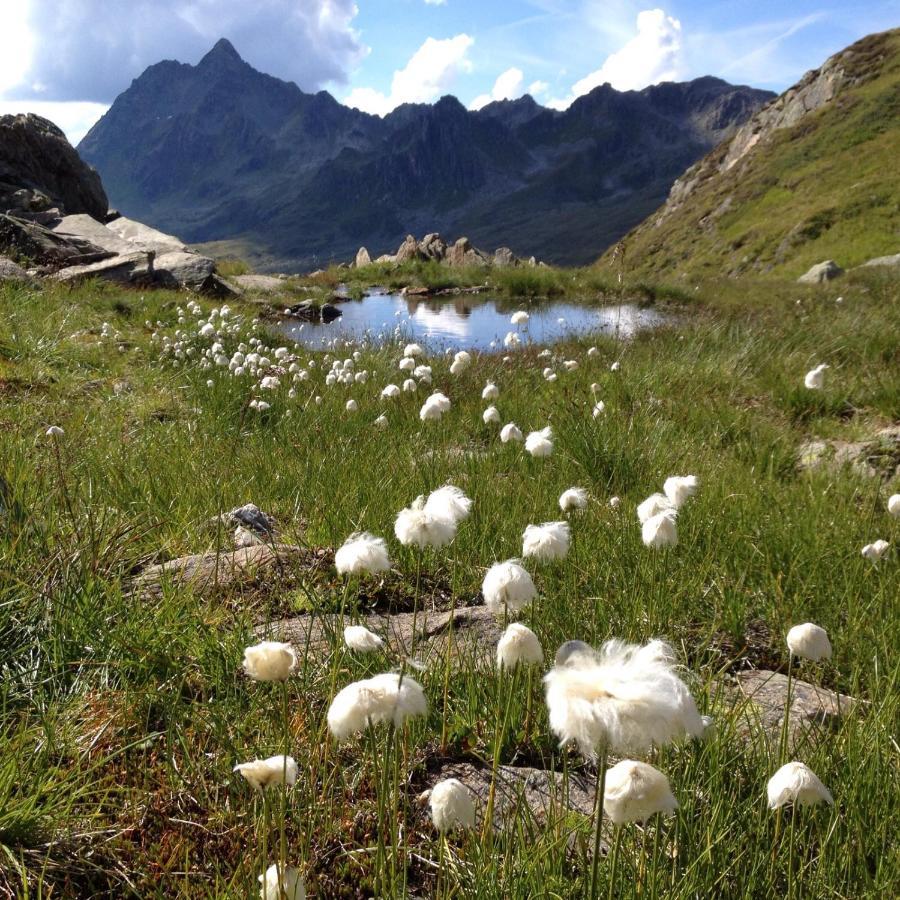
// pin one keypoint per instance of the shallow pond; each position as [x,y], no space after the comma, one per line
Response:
[465,321]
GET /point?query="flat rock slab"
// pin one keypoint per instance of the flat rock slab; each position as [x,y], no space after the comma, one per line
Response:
[474,632]
[813,709]
[125,268]
[876,457]
[213,572]
[525,796]
[263,284]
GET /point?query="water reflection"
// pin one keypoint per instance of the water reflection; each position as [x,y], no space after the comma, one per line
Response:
[465,321]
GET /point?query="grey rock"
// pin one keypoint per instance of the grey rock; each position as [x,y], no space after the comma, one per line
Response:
[180,269]
[43,247]
[878,456]
[386,258]
[408,250]
[83,227]
[10,271]
[39,168]
[892,261]
[814,710]
[126,268]
[503,256]
[821,272]
[462,253]
[250,516]
[263,284]
[143,237]
[328,312]
[362,258]
[433,246]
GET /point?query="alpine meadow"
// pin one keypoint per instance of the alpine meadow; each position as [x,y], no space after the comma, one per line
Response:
[447,572]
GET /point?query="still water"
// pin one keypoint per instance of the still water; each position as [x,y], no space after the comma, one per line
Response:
[464,322]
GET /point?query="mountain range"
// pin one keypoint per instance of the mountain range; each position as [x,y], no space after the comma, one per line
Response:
[219,152]
[815,175]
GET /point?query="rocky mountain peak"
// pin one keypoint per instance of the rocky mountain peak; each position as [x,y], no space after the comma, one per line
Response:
[223,52]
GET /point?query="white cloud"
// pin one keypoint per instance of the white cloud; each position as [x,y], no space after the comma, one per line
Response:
[91,49]
[508,86]
[651,56]
[73,117]
[430,71]
[538,88]
[435,2]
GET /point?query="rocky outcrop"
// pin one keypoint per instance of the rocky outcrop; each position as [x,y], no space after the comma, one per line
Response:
[362,258]
[892,261]
[433,248]
[10,271]
[40,171]
[821,272]
[408,250]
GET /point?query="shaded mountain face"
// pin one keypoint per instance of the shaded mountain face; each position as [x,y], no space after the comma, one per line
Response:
[811,176]
[221,152]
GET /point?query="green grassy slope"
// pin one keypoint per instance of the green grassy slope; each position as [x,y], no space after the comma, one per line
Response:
[826,187]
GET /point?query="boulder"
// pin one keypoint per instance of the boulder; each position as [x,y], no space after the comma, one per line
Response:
[386,258]
[10,271]
[83,227]
[39,168]
[462,253]
[180,269]
[503,256]
[263,284]
[821,272]
[328,312]
[143,236]
[126,268]
[362,258]
[43,247]
[884,261]
[433,246]
[408,250]
[249,516]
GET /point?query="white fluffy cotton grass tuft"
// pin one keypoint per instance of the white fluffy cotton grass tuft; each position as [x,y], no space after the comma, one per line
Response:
[660,530]
[546,542]
[893,505]
[490,392]
[434,407]
[384,698]
[573,498]
[448,502]
[491,416]
[625,698]
[261,773]
[417,528]
[510,432]
[679,488]
[874,552]
[281,884]
[518,645]
[270,661]
[814,380]
[796,783]
[507,587]
[540,443]
[653,506]
[362,554]
[809,641]
[359,639]
[451,805]
[635,791]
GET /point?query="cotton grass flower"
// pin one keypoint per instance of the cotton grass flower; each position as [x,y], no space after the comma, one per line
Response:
[411,350]
[281,885]
[451,805]
[798,784]
[625,698]
[653,506]
[814,379]
[875,552]
[461,362]
[510,432]
[381,421]
[809,641]
[490,392]
[390,391]
[362,554]
[546,542]
[448,502]
[635,792]
[660,530]
[678,488]
[491,416]
[410,386]
[55,431]
[511,340]
[262,773]
[351,405]
[599,409]
[270,661]
[361,640]
[518,645]
[384,698]
[573,498]
[540,443]
[893,504]
[507,586]
[434,407]
[415,527]
[520,317]
[614,502]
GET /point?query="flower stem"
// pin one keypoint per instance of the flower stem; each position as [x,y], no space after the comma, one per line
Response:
[598,820]
[614,861]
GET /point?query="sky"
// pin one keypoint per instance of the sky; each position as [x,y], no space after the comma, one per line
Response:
[68,59]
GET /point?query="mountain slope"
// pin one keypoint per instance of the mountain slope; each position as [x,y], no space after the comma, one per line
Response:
[219,151]
[812,176]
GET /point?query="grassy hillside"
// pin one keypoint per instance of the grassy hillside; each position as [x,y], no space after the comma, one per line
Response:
[828,187]
[122,715]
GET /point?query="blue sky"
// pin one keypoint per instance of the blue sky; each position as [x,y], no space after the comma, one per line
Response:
[68,59]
